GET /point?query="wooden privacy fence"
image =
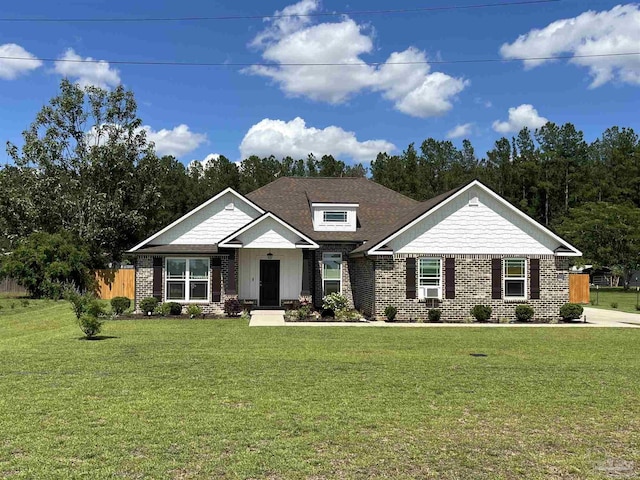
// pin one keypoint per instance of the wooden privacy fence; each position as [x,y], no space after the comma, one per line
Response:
[116,283]
[579,288]
[10,286]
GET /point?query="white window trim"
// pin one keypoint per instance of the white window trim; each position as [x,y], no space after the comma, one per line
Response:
[334,222]
[421,297]
[505,278]
[331,279]
[186,280]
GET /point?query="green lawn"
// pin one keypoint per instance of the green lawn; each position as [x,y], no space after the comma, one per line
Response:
[216,399]
[626,300]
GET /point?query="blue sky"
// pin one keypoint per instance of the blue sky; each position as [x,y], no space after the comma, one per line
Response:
[351,112]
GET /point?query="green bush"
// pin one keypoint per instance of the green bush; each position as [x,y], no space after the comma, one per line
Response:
[334,301]
[232,307]
[524,313]
[81,302]
[162,309]
[90,325]
[638,307]
[95,308]
[120,304]
[303,312]
[434,315]
[348,315]
[24,302]
[148,305]
[571,311]
[194,311]
[614,304]
[44,263]
[481,313]
[390,312]
[175,308]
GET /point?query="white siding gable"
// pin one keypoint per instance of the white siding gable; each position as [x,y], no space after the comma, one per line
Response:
[214,222]
[467,226]
[268,234]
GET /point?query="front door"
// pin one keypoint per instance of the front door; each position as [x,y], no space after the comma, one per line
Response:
[269,283]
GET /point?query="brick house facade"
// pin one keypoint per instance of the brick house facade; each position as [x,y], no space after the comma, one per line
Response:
[276,245]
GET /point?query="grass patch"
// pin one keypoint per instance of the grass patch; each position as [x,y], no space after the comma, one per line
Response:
[215,399]
[624,299]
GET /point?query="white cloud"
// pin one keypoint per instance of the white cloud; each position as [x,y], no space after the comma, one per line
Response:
[99,74]
[463,130]
[519,117]
[177,141]
[10,69]
[591,33]
[295,139]
[413,88]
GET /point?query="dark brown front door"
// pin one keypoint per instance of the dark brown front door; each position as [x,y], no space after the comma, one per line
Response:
[269,283]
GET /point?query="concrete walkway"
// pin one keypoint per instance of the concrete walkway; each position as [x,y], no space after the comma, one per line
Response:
[267,318]
[612,318]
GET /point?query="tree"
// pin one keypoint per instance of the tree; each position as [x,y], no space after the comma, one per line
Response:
[45,263]
[608,234]
[76,172]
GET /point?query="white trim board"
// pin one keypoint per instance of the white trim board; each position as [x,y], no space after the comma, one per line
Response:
[573,253]
[194,211]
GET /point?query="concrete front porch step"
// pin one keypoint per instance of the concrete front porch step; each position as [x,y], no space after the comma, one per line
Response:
[267,318]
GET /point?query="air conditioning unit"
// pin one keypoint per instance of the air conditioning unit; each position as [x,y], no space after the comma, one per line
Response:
[428,292]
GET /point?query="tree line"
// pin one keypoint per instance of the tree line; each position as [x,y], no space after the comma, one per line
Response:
[86,171]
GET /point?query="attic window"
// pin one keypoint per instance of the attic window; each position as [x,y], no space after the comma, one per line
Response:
[229,206]
[334,216]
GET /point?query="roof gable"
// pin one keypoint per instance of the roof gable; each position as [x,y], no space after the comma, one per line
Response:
[489,226]
[267,231]
[207,223]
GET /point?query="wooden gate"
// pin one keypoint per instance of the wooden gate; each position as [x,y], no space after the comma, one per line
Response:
[116,283]
[579,288]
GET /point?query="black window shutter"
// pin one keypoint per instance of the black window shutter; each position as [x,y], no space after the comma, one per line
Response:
[157,278]
[306,272]
[450,277]
[411,278]
[496,278]
[534,278]
[216,279]
[231,279]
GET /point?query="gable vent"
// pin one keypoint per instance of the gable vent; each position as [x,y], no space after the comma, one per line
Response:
[229,206]
[474,202]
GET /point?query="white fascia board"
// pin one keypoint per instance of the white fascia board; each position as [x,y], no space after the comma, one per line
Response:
[335,205]
[476,183]
[195,210]
[223,242]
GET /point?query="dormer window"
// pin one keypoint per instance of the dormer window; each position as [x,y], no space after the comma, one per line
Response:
[334,216]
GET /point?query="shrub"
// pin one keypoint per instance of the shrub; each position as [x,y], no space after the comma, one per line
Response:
[194,311]
[481,313]
[303,312]
[148,305]
[175,308]
[571,311]
[434,315]
[24,302]
[390,312]
[90,325]
[348,315]
[334,301]
[79,302]
[120,304]
[43,263]
[524,313]
[638,307]
[614,304]
[232,307]
[328,313]
[162,309]
[95,308]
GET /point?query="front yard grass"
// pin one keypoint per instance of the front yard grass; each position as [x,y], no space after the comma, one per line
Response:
[216,399]
[605,296]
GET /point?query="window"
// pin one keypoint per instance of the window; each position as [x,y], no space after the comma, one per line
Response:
[187,279]
[430,278]
[515,278]
[331,273]
[334,216]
